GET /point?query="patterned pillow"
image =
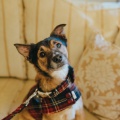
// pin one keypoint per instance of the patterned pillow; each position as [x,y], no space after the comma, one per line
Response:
[98,76]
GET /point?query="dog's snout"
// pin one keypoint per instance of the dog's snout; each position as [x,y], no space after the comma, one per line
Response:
[57,58]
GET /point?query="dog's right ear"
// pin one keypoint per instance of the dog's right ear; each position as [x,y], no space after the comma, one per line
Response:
[59,31]
[24,49]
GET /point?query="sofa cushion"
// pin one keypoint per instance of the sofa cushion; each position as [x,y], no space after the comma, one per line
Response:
[89,115]
[9,88]
[101,15]
[98,76]
[22,94]
[11,32]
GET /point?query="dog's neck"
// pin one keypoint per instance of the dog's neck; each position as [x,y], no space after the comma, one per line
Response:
[57,77]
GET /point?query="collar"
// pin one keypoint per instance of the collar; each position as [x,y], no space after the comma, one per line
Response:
[59,89]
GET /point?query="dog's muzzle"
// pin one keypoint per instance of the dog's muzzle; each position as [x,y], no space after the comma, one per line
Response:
[57,58]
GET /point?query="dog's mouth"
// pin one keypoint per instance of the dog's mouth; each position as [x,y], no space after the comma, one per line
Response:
[54,66]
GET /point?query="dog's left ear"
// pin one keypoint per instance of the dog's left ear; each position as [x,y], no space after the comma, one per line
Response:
[59,31]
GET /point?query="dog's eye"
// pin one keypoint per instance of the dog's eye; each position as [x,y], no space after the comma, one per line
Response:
[42,54]
[58,45]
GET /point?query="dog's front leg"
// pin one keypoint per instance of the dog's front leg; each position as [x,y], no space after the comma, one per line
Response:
[80,115]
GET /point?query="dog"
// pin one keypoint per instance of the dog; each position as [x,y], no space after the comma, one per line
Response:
[55,80]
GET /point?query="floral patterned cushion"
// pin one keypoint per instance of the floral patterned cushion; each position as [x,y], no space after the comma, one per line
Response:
[98,76]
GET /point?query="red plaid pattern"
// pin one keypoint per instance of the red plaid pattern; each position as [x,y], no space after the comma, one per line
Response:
[54,103]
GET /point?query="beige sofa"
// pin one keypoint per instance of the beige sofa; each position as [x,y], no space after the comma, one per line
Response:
[29,21]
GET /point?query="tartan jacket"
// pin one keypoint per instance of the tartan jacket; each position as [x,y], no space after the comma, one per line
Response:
[61,97]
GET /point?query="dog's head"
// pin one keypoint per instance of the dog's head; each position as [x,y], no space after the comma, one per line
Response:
[49,54]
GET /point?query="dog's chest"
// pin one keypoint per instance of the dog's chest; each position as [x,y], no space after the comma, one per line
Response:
[61,74]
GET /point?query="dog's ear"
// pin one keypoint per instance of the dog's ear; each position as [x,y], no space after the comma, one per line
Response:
[59,31]
[24,49]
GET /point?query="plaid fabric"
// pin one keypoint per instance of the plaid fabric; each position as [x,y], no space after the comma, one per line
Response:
[54,103]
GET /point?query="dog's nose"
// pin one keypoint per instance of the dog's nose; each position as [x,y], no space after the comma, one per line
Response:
[57,58]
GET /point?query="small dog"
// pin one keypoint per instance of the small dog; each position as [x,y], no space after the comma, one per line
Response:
[57,98]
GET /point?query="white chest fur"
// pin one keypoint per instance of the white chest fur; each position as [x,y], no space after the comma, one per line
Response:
[61,73]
